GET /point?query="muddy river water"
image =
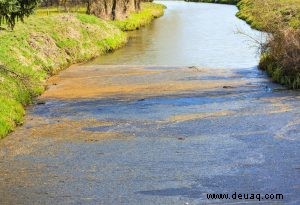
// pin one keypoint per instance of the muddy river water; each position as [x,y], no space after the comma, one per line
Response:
[190,34]
[180,112]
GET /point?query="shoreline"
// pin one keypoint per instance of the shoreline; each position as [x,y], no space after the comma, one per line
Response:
[277,69]
[42,46]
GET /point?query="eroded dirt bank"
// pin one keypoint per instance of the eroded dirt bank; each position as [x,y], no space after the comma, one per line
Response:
[153,135]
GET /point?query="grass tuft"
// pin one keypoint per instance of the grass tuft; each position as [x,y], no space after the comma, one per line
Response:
[148,12]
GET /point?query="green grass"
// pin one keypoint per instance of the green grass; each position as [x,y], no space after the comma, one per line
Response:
[259,14]
[148,12]
[44,11]
[11,114]
[45,44]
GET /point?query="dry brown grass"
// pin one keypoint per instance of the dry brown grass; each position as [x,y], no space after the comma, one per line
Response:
[284,46]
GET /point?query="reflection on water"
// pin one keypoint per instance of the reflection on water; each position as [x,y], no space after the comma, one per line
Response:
[190,34]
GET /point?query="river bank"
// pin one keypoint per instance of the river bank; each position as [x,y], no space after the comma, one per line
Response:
[280,54]
[46,44]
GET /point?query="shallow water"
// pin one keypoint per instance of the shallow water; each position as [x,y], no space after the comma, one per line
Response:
[154,135]
[111,134]
[190,34]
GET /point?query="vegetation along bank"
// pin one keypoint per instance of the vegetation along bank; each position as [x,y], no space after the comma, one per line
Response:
[280,55]
[50,40]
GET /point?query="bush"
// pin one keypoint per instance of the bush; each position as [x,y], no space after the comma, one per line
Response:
[282,57]
[281,52]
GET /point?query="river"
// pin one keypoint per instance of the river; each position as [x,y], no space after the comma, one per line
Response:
[190,34]
[178,113]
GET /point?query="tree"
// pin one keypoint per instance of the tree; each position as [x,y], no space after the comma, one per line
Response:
[112,9]
[13,10]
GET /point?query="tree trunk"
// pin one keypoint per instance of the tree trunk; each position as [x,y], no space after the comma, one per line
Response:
[113,9]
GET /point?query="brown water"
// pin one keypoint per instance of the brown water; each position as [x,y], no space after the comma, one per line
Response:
[190,34]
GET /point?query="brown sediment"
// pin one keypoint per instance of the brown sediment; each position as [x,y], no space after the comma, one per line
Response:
[195,116]
[66,129]
[79,91]
[39,132]
[278,104]
[101,82]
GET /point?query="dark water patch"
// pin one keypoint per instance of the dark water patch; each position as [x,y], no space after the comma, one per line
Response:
[210,78]
[98,128]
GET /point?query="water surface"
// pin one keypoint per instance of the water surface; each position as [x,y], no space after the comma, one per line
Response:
[111,134]
[190,34]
